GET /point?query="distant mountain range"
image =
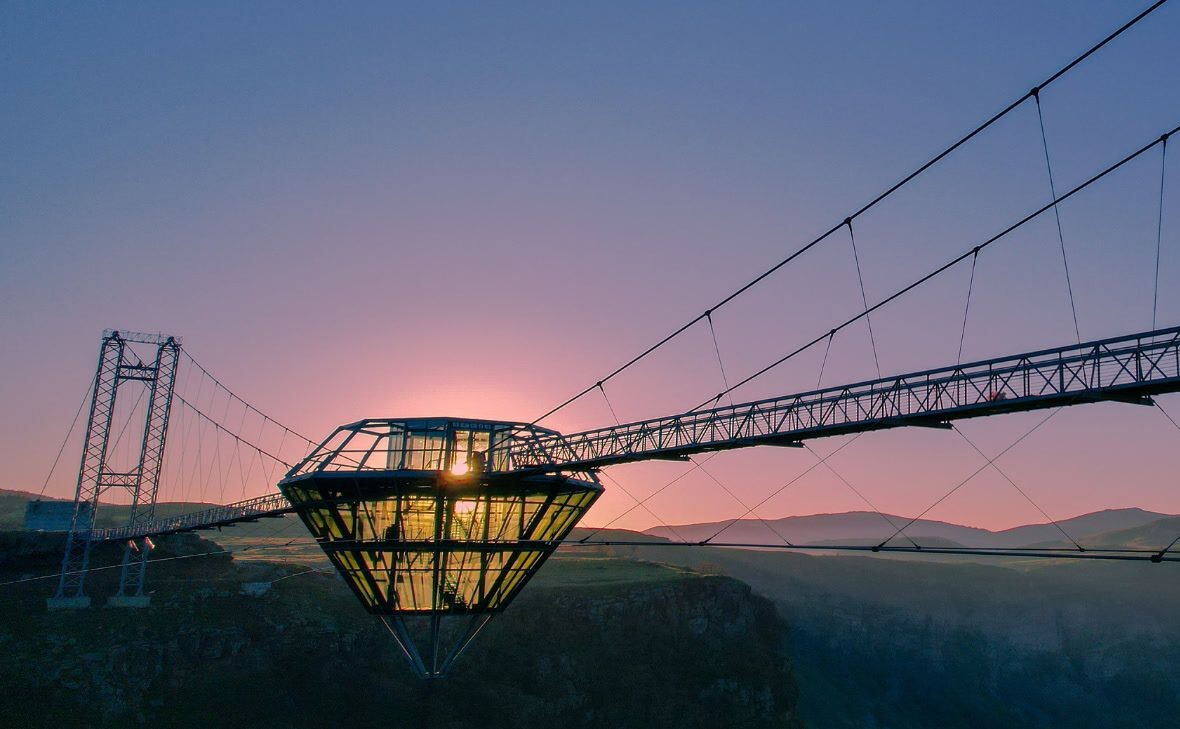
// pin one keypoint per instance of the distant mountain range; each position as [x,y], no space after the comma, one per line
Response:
[13,503]
[1107,528]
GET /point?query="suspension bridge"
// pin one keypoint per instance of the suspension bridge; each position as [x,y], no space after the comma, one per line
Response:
[437,523]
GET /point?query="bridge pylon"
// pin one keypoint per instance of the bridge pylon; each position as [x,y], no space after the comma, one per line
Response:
[119,366]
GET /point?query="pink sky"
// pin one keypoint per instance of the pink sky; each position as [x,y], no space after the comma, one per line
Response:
[426,216]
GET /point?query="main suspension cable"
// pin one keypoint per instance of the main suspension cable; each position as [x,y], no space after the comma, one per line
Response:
[949,264]
[247,405]
[866,207]
[230,433]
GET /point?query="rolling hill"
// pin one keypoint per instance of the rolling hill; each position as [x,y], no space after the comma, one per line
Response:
[866,527]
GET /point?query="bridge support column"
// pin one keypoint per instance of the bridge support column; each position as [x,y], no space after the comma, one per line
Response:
[118,364]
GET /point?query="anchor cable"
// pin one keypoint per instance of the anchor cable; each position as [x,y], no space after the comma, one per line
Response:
[1027,498]
[52,468]
[863,498]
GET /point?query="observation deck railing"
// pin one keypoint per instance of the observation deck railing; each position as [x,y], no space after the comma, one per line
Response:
[249,510]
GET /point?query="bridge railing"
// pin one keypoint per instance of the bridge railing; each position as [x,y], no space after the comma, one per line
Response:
[1110,369]
[269,505]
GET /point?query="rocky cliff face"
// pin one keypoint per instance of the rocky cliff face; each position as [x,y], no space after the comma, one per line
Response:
[595,643]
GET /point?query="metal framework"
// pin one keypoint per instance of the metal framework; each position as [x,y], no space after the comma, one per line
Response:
[261,507]
[1123,369]
[118,365]
[1128,369]
[431,526]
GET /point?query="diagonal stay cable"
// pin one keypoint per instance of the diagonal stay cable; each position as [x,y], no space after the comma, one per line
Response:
[741,503]
[975,473]
[856,491]
[1166,414]
[649,497]
[869,205]
[784,487]
[953,262]
[642,504]
[997,469]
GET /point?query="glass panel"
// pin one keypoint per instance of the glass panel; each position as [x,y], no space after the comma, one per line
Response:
[401,567]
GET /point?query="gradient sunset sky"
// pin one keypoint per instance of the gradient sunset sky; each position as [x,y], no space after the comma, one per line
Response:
[382,209]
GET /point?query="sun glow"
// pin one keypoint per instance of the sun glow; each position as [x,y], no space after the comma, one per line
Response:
[459,468]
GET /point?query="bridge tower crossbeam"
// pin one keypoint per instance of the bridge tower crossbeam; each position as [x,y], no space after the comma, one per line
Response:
[117,366]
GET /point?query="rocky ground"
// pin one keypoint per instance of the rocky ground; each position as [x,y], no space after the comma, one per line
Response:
[592,643]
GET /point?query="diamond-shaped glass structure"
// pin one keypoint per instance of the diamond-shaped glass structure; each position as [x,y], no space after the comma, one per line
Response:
[430,525]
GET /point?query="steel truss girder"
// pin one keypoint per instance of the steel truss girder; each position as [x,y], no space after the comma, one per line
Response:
[1123,369]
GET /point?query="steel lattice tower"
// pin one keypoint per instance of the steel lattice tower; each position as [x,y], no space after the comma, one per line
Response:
[117,366]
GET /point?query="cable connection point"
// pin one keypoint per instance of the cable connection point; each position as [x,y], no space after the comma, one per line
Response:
[848,222]
[1035,92]
[1157,558]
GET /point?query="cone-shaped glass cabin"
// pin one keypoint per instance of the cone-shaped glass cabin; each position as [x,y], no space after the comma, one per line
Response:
[430,525]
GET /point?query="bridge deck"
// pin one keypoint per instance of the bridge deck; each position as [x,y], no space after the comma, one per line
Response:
[1127,369]
[250,510]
